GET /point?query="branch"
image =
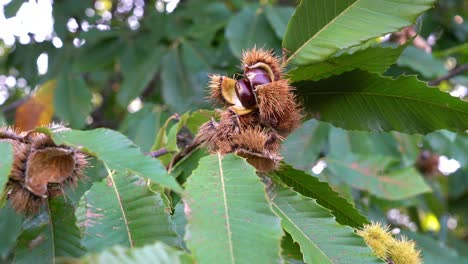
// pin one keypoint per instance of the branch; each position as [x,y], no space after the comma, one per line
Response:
[460,69]
[158,153]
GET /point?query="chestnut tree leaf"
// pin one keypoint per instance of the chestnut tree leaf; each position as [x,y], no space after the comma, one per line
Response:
[12,8]
[154,253]
[312,187]
[49,235]
[278,17]
[6,163]
[320,28]
[290,250]
[229,217]
[117,151]
[250,28]
[373,173]
[184,72]
[374,58]
[359,100]
[139,75]
[302,148]
[314,228]
[11,224]
[121,210]
[72,100]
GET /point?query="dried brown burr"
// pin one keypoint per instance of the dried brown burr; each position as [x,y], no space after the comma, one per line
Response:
[41,169]
[260,111]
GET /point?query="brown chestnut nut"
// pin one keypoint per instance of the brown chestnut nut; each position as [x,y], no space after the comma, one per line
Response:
[245,94]
[257,76]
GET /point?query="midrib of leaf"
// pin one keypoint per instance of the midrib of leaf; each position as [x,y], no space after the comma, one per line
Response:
[320,31]
[228,224]
[393,96]
[279,211]
[119,200]
[52,237]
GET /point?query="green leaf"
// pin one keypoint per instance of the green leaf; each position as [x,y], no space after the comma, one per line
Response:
[291,251]
[155,253]
[12,8]
[422,62]
[72,100]
[278,17]
[310,186]
[184,73]
[452,145]
[315,230]
[398,145]
[374,59]
[458,183]
[140,75]
[360,100]
[320,28]
[208,19]
[98,56]
[303,147]
[142,127]
[6,163]
[117,151]
[250,28]
[121,210]
[66,235]
[10,228]
[229,217]
[185,166]
[371,173]
[50,235]
[180,222]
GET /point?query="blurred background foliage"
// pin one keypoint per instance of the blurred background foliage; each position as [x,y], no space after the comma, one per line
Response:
[131,64]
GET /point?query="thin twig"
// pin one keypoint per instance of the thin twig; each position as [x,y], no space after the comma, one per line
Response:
[158,153]
[460,69]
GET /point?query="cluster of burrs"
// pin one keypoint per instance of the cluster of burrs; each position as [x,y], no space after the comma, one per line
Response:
[260,110]
[40,169]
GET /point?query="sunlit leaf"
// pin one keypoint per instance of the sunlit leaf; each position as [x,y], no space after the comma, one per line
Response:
[372,59]
[320,28]
[121,210]
[229,217]
[313,227]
